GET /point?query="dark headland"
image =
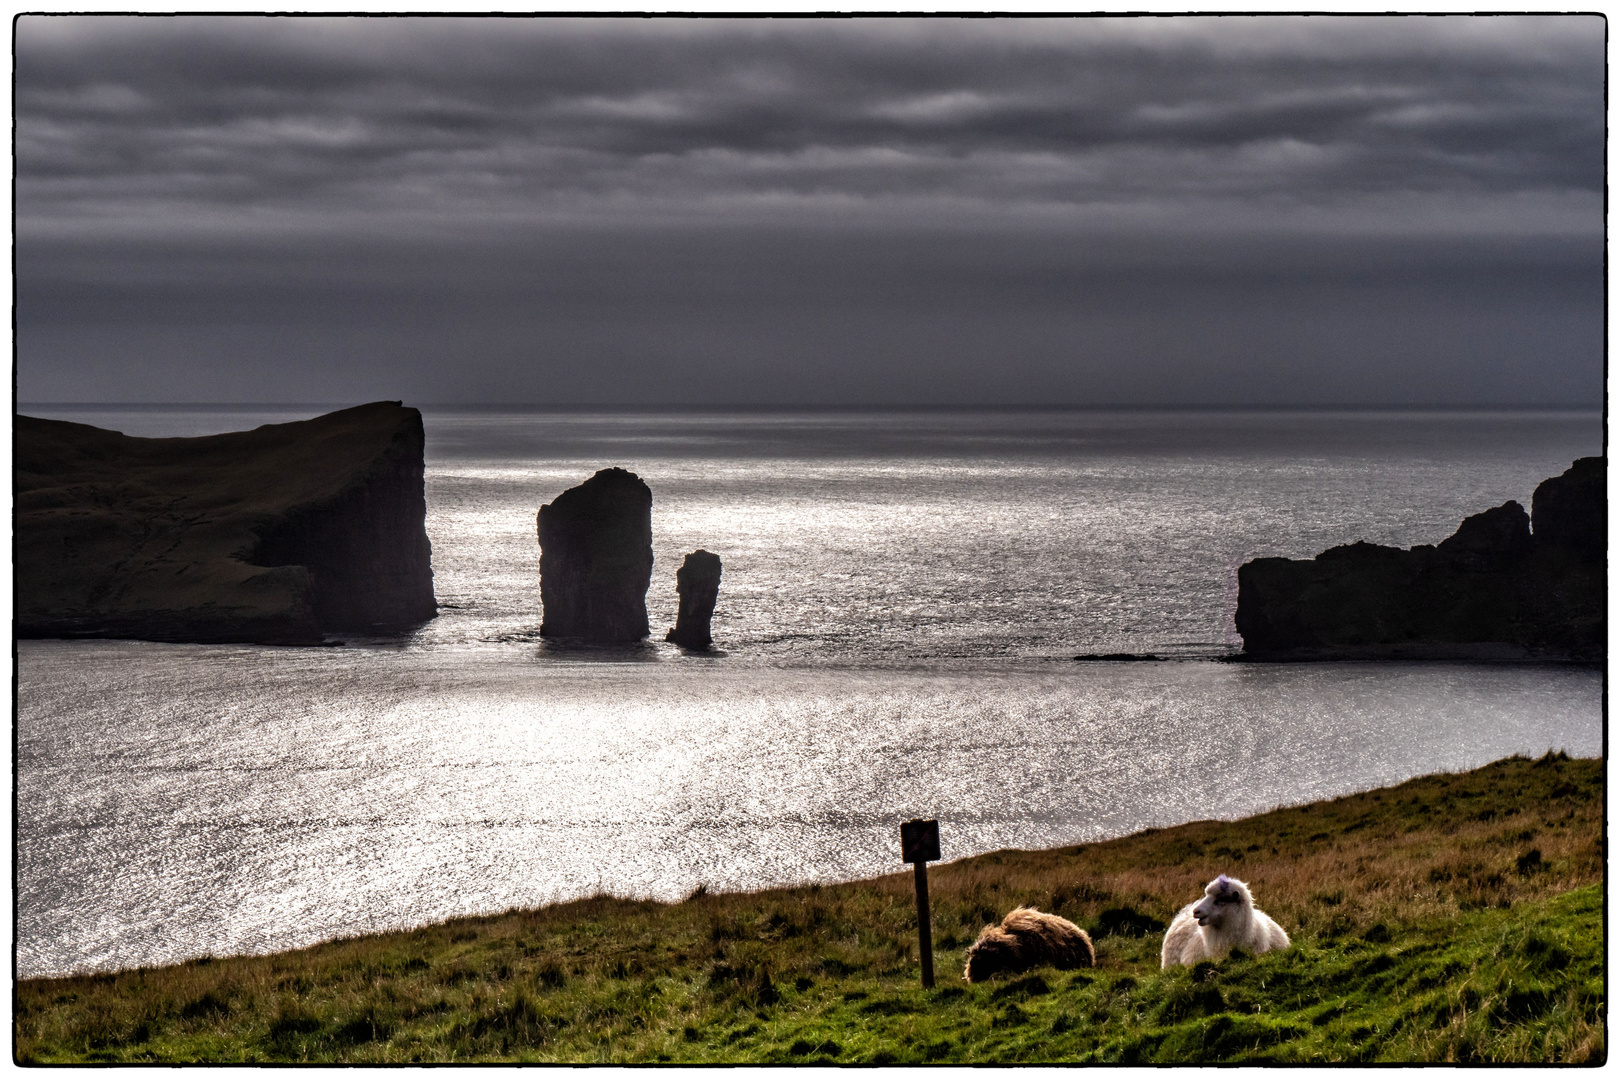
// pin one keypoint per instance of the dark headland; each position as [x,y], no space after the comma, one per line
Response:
[279,535]
[1506,586]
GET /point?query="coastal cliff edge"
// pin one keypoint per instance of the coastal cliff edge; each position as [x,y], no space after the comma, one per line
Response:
[279,535]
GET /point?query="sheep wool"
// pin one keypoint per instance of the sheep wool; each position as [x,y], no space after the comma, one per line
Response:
[1028,939]
[1224,919]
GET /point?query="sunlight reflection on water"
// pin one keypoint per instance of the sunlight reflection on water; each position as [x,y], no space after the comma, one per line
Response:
[901,594]
[211,799]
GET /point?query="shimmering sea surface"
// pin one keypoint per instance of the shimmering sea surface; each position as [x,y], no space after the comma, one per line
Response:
[902,594]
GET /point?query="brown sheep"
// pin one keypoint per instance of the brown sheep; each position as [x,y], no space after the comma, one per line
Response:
[1028,939]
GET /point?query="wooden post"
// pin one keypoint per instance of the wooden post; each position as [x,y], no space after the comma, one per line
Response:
[925,929]
[919,842]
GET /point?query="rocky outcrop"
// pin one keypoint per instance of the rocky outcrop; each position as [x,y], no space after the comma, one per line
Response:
[1506,586]
[1571,512]
[278,535]
[698,583]
[596,559]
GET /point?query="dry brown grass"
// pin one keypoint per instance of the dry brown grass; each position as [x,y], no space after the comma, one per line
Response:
[1431,847]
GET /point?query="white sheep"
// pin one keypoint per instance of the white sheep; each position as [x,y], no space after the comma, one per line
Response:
[1224,919]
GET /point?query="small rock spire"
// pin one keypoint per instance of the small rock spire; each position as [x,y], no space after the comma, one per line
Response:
[698,582]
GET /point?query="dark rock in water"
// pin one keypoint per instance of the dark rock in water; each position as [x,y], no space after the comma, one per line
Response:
[1505,586]
[1571,511]
[698,582]
[1118,656]
[276,535]
[596,559]
[1489,540]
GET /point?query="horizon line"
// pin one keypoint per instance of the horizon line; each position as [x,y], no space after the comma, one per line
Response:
[824,407]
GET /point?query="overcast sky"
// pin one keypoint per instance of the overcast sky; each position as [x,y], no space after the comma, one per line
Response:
[1267,210]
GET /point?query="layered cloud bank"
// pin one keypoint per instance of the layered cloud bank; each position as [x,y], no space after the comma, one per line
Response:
[1105,210]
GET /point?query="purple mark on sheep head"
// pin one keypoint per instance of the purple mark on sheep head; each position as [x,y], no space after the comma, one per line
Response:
[1220,893]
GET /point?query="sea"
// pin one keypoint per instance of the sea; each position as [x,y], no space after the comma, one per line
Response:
[903,597]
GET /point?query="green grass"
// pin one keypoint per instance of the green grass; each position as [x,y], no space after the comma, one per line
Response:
[1452,918]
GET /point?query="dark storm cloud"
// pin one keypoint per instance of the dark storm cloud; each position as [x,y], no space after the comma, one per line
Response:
[618,188]
[536,115]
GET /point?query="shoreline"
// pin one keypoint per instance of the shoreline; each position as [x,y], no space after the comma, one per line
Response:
[1437,863]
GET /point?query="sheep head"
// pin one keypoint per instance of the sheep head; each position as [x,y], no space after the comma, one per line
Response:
[1222,897]
[995,951]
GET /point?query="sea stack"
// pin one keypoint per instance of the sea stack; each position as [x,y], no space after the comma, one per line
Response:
[698,582]
[1506,586]
[596,559]
[279,535]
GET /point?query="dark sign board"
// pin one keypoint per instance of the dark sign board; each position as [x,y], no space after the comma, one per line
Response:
[919,841]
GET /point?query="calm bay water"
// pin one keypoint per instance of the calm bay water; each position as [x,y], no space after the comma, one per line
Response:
[901,596]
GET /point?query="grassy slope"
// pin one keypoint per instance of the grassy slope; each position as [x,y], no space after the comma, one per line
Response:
[1455,917]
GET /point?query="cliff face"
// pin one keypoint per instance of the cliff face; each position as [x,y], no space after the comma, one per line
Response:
[596,559]
[276,535]
[1506,585]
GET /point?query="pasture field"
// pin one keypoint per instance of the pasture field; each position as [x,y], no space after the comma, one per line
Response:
[1450,918]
